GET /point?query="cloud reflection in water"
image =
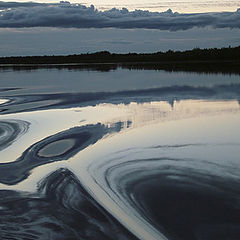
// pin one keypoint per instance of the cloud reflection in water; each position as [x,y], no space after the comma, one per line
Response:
[162,163]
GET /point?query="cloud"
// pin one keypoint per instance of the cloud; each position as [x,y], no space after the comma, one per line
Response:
[66,15]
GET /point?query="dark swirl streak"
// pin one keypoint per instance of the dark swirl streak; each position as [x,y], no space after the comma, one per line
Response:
[19,103]
[10,130]
[60,210]
[183,198]
[58,147]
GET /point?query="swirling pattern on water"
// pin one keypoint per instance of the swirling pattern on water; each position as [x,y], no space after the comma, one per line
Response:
[10,130]
[180,197]
[58,147]
[153,163]
[61,209]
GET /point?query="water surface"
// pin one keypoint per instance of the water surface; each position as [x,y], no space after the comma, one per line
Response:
[122,154]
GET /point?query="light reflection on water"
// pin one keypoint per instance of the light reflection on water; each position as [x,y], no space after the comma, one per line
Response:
[164,162]
[44,81]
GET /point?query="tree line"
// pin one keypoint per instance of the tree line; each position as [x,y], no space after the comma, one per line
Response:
[229,54]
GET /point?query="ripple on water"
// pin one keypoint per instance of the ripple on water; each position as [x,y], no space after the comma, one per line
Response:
[58,147]
[10,130]
[60,210]
[183,199]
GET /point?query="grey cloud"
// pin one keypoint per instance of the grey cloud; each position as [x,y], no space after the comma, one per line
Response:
[6,5]
[65,15]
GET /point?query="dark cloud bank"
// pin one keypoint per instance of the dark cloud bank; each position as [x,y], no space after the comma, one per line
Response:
[64,14]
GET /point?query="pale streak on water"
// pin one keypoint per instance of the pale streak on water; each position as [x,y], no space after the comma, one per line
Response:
[119,155]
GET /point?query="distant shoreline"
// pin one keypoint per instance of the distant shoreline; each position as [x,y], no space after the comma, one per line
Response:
[224,60]
[196,54]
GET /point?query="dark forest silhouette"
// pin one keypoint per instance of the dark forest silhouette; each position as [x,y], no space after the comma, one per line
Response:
[224,60]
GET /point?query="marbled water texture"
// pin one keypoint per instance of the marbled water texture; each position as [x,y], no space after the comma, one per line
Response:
[121,154]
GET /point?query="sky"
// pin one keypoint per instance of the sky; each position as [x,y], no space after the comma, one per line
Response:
[182,6]
[43,28]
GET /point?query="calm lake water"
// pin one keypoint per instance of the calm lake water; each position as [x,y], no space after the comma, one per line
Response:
[120,154]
